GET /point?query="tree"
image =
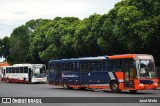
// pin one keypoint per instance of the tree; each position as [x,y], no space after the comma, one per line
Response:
[5,45]
[20,41]
[55,39]
[19,45]
[136,25]
[91,35]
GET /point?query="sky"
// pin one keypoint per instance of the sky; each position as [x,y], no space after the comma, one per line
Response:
[14,13]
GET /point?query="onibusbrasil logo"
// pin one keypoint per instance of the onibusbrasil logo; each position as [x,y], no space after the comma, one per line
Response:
[21,100]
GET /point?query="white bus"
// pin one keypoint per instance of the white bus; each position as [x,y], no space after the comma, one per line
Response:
[26,73]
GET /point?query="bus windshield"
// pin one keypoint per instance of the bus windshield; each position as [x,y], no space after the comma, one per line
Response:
[145,68]
[39,72]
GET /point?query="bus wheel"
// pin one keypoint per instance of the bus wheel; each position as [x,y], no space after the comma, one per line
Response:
[7,80]
[82,88]
[24,80]
[65,84]
[114,87]
[133,91]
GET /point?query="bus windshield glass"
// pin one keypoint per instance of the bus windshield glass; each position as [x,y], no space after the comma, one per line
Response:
[39,72]
[145,68]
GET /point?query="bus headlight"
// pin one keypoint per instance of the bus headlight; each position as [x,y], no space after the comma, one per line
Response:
[141,84]
[155,83]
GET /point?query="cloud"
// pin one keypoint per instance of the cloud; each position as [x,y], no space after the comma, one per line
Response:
[21,12]
[16,12]
[7,26]
[5,30]
[43,8]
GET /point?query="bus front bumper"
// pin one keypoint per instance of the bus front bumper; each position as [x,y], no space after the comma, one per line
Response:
[147,86]
[34,80]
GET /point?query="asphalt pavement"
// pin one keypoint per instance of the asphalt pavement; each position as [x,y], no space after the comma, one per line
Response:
[45,90]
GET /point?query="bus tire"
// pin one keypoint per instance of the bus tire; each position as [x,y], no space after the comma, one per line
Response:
[82,88]
[114,87]
[24,81]
[66,85]
[7,80]
[132,91]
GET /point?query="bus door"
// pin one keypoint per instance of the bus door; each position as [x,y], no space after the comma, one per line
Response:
[84,68]
[129,76]
[57,73]
[3,73]
[29,73]
[51,76]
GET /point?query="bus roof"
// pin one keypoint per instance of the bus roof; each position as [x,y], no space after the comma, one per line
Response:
[12,66]
[121,56]
[27,64]
[133,56]
[80,59]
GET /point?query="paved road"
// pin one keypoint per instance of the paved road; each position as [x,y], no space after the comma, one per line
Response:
[45,90]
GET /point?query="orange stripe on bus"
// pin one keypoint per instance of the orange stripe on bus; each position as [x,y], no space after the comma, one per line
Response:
[122,56]
[121,86]
[91,87]
[99,87]
[119,75]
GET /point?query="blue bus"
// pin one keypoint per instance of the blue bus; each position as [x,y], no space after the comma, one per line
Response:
[80,72]
[117,72]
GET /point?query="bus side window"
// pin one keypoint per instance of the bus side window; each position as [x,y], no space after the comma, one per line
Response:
[13,69]
[112,65]
[120,66]
[17,69]
[94,66]
[84,67]
[99,66]
[25,69]
[51,67]
[104,65]
[10,70]
[7,70]
[21,70]
[75,66]
[115,65]
[63,67]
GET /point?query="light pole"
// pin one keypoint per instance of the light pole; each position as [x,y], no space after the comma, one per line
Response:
[2,58]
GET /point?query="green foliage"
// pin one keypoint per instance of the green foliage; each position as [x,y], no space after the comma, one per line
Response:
[4,47]
[55,39]
[19,44]
[136,25]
